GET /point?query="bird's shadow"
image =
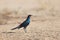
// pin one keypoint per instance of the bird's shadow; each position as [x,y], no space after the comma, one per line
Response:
[8,32]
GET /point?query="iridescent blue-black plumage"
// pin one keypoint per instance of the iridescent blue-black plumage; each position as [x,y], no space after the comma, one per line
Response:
[24,24]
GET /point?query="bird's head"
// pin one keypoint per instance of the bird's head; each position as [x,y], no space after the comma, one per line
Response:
[29,15]
[28,18]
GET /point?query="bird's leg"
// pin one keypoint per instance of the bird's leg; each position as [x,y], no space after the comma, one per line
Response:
[25,30]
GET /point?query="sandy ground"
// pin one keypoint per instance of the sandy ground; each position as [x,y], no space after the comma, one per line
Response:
[40,28]
[45,20]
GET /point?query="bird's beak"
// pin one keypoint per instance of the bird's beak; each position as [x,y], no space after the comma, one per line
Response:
[31,15]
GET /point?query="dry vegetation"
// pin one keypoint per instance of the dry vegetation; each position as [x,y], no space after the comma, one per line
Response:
[42,27]
[45,23]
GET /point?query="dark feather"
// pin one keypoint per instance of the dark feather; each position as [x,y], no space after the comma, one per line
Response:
[24,24]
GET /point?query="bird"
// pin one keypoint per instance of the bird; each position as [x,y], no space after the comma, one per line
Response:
[24,24]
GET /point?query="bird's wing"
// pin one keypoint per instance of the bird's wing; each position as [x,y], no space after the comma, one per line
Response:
[25,23]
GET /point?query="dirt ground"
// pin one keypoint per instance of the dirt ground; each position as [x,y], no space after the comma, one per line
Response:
[40,28]
[45,20]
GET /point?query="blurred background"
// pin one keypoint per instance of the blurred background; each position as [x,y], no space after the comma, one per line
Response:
[16,8]
[45,20]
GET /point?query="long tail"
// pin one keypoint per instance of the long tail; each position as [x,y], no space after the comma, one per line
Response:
[14,28]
